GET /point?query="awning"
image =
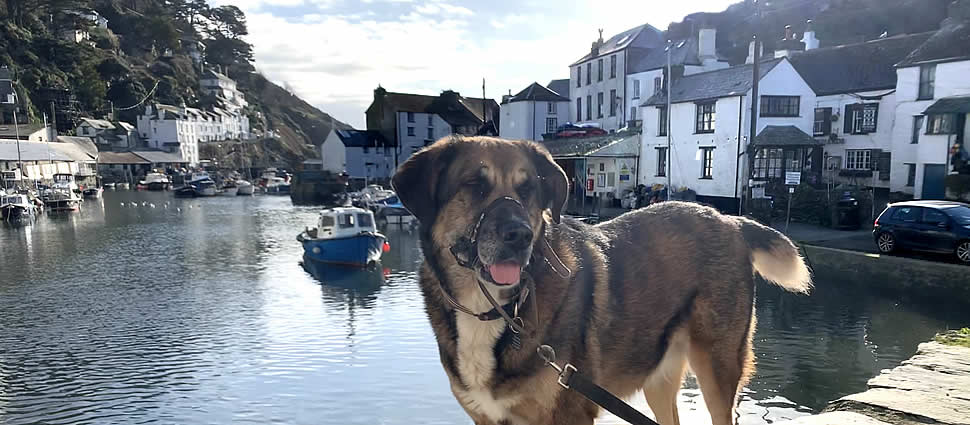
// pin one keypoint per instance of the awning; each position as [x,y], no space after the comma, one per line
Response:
[950,105]
[784,135]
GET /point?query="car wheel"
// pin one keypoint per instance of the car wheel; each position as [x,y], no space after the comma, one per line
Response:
[963,252]
[886,243]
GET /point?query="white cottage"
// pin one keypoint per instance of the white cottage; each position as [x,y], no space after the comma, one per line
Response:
[533,112]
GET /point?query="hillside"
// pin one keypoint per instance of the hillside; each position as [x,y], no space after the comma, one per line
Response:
[835,21]
[146,55]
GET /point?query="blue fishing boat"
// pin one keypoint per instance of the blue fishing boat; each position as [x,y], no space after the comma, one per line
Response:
[345,236]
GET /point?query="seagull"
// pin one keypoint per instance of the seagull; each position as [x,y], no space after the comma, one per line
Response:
[122,205]
[133,204]
[151,205]
[178,209]
[884,34]
[144,203]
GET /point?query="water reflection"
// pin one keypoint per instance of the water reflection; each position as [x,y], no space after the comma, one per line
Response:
[199,311]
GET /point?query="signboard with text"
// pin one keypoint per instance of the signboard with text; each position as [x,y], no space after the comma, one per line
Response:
[793,178]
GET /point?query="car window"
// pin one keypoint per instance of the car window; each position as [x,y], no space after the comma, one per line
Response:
[908,214]
[932,216]
[960,214]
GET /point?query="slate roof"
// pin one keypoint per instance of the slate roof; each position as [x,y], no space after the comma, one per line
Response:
[585,146]
[121,158]
[454,108]
[536,92]
[362,138]
[408,102]
[623,40]
[30,151]
[561,87]
[733,81]
[784,135]
[950,105]
[84,143]
[160,157]
[684,53]
[951,42]
[9,131]
[98,124]
[73,151]
[474,104]
[855,67]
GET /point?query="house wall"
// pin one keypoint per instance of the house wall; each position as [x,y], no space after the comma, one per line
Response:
[333,153]
[411,144]
[951,80]
[618,83]
[616,168]
[881,139]
[646,79]
[526,120]
[732,114]
[370,163]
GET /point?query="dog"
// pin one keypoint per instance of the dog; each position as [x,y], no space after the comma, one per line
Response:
[629,302]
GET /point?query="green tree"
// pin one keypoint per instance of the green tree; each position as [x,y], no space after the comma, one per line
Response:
[228,21]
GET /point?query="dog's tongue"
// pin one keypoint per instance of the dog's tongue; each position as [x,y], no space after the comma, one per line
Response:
[505,273]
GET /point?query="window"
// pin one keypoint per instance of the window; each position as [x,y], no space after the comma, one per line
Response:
[589,107]
[636,89]
[613,102]
[327,221]
[602,167]
[579,76]
[366,149]
[934,217]
[430,133]
[589,73]
[779,106]
[909,214]
[410,131]
[861,118]
[345,221]
[430,120]
[661,162]
[365,220]
[927,82]
[768,163]
[857,159]
[823,122]
[658,83]
[707,163]
[613,66]
[579,109]
[939,124]
[705,118]
[917,126]
[599,67]
[551,108]
[910,175]
[410,116]
[662,121]
[551,124]
[633,113]
[599,105]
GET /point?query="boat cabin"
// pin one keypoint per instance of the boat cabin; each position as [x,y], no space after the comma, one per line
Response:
[344,222]
[64,181]
[16,199]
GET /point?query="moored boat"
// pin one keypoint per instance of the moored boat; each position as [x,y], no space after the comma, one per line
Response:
[17,207]
[228,189]
[344,236]
[156,181]
[93,192]
[123,186]
[277,186]
[204,186]
[63,195]
[244,188]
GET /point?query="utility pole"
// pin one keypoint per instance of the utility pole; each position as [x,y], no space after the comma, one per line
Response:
[755,77]
[485,115]
[667,82]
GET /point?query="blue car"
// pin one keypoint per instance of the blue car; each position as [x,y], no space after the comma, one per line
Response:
[931,226]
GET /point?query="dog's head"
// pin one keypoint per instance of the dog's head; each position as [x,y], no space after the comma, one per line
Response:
[508,189]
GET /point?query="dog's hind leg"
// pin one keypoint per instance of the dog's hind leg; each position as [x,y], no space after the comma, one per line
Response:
[722,367]
[664,382]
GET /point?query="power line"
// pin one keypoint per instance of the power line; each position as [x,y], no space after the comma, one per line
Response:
[150,93]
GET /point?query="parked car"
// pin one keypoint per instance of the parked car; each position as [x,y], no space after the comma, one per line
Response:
[933,226]
[581,130]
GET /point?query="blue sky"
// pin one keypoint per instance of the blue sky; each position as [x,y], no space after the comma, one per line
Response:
[333,53]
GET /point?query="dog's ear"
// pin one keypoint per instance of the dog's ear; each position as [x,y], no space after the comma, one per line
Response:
[416,180]
[552,180]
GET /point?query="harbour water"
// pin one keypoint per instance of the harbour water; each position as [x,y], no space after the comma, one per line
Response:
[199,311]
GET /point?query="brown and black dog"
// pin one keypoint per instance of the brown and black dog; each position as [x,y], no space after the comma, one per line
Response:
[644,295]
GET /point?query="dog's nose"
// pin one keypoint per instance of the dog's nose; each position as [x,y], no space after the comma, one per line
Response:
[515,234]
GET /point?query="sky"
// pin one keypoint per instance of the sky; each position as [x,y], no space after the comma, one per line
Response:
[334,53]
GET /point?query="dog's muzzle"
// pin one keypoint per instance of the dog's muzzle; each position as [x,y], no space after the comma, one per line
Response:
[515,234]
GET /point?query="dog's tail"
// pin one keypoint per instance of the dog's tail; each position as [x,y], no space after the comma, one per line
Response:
[775,257]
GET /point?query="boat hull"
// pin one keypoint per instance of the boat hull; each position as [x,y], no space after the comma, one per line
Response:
[245,189]
[63,205]
[229,191]
[93,193]
[358,250]
[156,186]
[16,212]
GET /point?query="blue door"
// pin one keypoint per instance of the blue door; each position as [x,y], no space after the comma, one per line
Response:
[933,181]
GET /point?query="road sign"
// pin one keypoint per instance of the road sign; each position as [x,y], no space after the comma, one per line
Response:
[793,178]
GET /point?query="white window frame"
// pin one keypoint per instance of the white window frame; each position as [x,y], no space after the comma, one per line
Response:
[552,123]
[551,108]
[636,89]
[858,159]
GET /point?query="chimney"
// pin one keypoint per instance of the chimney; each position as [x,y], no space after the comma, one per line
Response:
[750,58]
[809,37]
[788,45]
[706,45]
